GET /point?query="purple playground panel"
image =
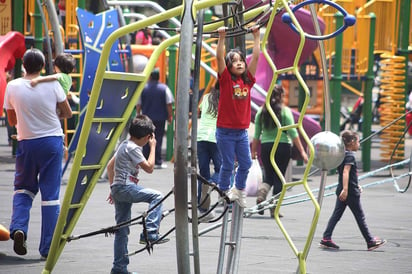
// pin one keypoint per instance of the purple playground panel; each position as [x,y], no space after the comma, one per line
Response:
[282,46]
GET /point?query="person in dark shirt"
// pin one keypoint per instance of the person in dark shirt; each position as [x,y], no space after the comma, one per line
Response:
[348,193]
[156,102]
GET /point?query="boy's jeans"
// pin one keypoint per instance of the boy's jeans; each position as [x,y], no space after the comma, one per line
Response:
[124,196]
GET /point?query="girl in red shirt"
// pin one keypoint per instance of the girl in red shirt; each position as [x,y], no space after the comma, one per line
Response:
[236,79]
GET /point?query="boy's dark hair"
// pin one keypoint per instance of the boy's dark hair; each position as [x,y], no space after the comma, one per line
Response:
[276,103]
[65,62]
[155,75]
[349,136]
[141,126]
[33,61]
[229,64]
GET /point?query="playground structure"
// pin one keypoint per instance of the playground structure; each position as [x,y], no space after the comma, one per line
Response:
[377,47]
[349,58]
[104,120]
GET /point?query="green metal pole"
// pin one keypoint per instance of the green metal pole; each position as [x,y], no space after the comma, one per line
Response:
[367,97]
[171,82]
[126,11]
[81,4]
[301,101]
[17,19]
[38,29]
[336,79]
[403,42]
[18,25]
[404,30]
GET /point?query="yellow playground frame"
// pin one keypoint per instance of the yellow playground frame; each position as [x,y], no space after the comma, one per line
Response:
[64,228]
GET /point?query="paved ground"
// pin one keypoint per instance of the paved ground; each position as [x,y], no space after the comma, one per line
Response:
[263,248]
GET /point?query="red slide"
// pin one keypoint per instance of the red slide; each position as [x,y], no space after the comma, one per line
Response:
[12,47]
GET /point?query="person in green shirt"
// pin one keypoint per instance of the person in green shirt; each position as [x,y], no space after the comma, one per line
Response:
[207,150]
[63,64]
[266,132]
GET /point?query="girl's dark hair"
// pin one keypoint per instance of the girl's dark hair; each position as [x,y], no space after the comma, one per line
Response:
[146,32]
[348,137]
[141,126]
[33,61]
[229,64]
[214,100]
[276,102]
[65,62]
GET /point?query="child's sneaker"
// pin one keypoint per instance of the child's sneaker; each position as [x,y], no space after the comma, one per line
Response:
[375,243]
[19,243]
[328,244]
[153,239]
[235,194]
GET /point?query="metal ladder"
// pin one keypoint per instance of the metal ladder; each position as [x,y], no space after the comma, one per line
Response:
[233,242]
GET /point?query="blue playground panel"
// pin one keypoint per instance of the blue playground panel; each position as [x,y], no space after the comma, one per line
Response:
[115,96]
[94,30]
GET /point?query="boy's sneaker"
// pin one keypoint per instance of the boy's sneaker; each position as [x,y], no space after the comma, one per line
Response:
[375,243]
[19,243]
[328,244]
[153,239]
[206,218]
[235,194]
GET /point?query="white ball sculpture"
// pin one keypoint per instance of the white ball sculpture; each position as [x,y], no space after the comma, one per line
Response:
[139,63]
[329,150]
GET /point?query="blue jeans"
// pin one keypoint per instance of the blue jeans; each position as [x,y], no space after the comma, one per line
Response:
[124,196]
[233,144]
[207,151]
[38,167]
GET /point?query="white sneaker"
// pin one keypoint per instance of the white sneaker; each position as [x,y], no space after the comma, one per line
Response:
[208,217]
[235,194]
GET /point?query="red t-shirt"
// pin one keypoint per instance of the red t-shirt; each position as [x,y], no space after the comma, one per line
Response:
[234,101]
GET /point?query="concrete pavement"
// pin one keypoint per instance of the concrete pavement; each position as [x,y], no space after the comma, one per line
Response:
[263,247]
